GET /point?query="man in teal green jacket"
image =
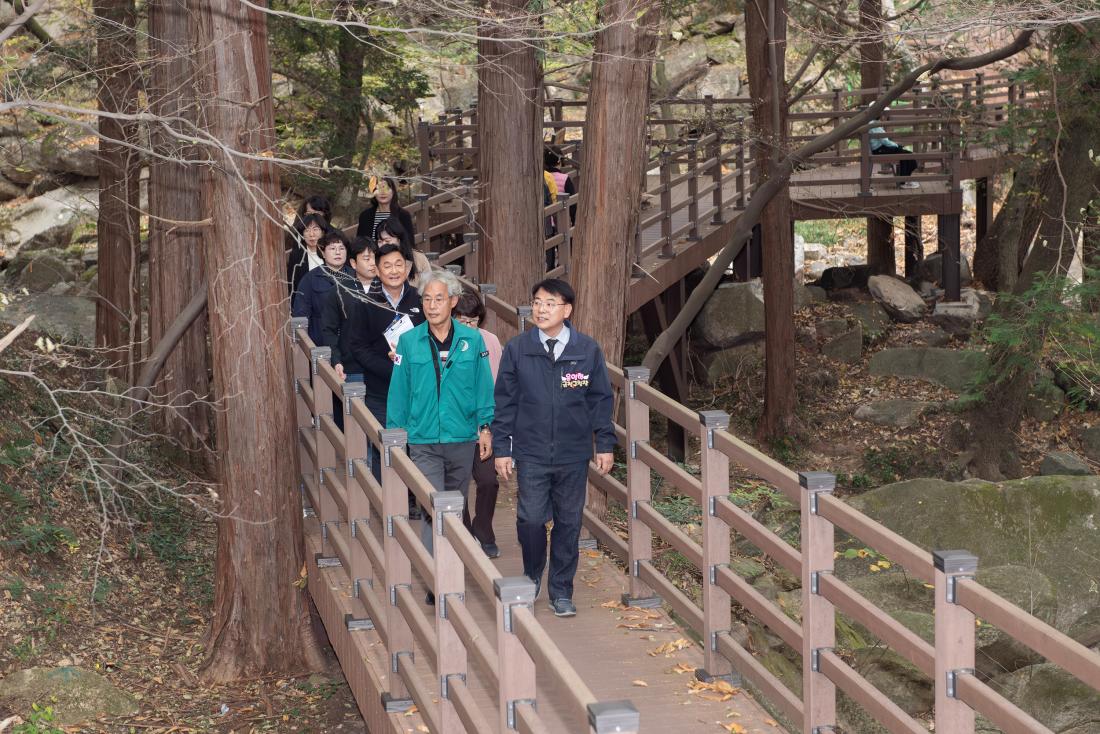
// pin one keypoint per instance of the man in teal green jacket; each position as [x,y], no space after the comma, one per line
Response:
[441,392]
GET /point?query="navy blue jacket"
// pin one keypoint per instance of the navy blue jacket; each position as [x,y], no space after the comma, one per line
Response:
[367,347]
[548,412]
[312,293]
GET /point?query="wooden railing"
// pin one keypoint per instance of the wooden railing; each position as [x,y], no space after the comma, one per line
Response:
[704,175]
[365,529]
[959,598]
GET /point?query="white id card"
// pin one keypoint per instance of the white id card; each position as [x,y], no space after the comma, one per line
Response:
[399,326]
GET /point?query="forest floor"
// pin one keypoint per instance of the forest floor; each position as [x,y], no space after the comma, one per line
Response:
[132,603]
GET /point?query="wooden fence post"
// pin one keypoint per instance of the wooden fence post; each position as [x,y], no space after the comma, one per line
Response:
[613,717]
[638,487]
[954,629]
[818,614]
[741,163]
[356,448]
[523,315]
[838,109]
[328,513]
[693,188]
[469,262]
[423,221]
[865,164]
[449,583]
[399,636]
[304,417]
[715,467]
[515,666]
[424,142]
[666,204]
[716,175]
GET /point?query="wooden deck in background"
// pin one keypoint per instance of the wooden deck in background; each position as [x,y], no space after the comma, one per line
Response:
[609,647]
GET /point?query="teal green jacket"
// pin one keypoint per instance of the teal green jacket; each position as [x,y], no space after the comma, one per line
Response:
[452,410]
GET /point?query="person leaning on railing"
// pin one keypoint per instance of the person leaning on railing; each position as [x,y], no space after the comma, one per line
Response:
[553,397]
[885,146]
[470,311]
[441,393]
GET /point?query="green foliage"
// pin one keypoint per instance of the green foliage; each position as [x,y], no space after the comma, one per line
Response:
[168,533]
[757,496]
[679,508]
[40,721]
[26,522]
[785,450]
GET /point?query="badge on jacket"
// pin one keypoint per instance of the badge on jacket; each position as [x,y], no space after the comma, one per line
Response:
[572,380]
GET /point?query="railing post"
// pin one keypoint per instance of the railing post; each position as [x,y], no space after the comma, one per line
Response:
[613,717]
[640,542]
[449,584]
[716,196]
[954,631]
[305,420]
[399,637]
[523,315]
[356,448]
[715,467]
[741,163]
[328,513]
[423,221]
[693,188]
[666,204]
[979,94]
[470,260]
[838,109]
[424,142]
[865,163]
[565,229]
[818,615]
[516,668]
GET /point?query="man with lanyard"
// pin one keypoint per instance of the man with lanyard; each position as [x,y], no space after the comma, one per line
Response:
[558,376]
[379,325]
[442,393]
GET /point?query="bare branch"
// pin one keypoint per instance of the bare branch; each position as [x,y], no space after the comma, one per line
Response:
[14,333]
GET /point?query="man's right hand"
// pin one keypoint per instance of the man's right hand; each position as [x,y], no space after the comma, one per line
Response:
[340,372]
[504,466]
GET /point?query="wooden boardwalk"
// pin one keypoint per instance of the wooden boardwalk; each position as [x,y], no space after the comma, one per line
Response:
[610,647]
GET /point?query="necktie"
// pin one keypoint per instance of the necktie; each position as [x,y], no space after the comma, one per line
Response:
[550,345]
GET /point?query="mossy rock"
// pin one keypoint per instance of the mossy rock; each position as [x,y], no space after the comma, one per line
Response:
[1054,697]
[74,694]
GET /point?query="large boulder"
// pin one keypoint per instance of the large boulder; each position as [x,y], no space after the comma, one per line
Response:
[1045,400]
[930,269]
[65,318]
[38,272]
[732,362]
[900,301]
[733,314]
[874,319]
[1064,463]
[847,348]
[1090,443]
[1056,698]
[75,694]
[951,368]
[49,220]
[1043,523]
[897,413]
[844,276]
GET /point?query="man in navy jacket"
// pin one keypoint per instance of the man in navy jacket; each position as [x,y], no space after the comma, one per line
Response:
[553,402]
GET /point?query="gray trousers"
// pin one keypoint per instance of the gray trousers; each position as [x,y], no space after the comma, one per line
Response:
[448,466]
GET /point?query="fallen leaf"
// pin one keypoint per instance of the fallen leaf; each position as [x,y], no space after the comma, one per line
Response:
[734,728]
[682,668]
[641,683]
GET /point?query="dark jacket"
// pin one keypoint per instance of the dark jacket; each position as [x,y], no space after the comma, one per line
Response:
[366,223]
[342,315]
[367,346]
[311,295]
[296,263]
[548,412]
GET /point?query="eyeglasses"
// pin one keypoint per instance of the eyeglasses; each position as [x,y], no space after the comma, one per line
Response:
[467,320]
[539,304]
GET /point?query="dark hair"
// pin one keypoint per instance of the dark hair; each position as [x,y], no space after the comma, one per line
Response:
[330,236]
[318,204]
[392,226]
[469,304]
[312,219]
[406,252]
[551,158]
[359,245]
[556,287]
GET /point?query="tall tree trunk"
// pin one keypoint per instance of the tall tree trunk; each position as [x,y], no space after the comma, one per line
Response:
[872,74]
[175,233]
[118,309]
[765,49]
[350,54]
[1000,254]
[261,618]
[509,128]
[614,169]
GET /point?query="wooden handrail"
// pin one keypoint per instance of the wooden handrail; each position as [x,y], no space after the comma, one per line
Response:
[996,708]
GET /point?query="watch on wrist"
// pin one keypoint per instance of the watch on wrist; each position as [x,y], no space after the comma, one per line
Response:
[483,428]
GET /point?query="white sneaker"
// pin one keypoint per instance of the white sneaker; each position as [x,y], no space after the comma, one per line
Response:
[909,185]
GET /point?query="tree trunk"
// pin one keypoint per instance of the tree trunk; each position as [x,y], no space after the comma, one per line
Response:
[118,309]
[614,170]
[348,108]
[872,74]
[999,255]
[261,618]
[509,128]
[175,234]
[765,49]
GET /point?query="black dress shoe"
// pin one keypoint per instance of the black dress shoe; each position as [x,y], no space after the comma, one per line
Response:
[429,598]
[491,550]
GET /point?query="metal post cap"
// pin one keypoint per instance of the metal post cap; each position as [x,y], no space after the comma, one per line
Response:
[638,373]
[320,353]
[613,716]
[714,418]
[817,481]
[353,390]
[469,237]
[393,437]
[487,289]
[523,311]
[299,322]
[955,561]
[448,501]
[514,589]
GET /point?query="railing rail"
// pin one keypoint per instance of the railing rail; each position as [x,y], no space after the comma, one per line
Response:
[365,530]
